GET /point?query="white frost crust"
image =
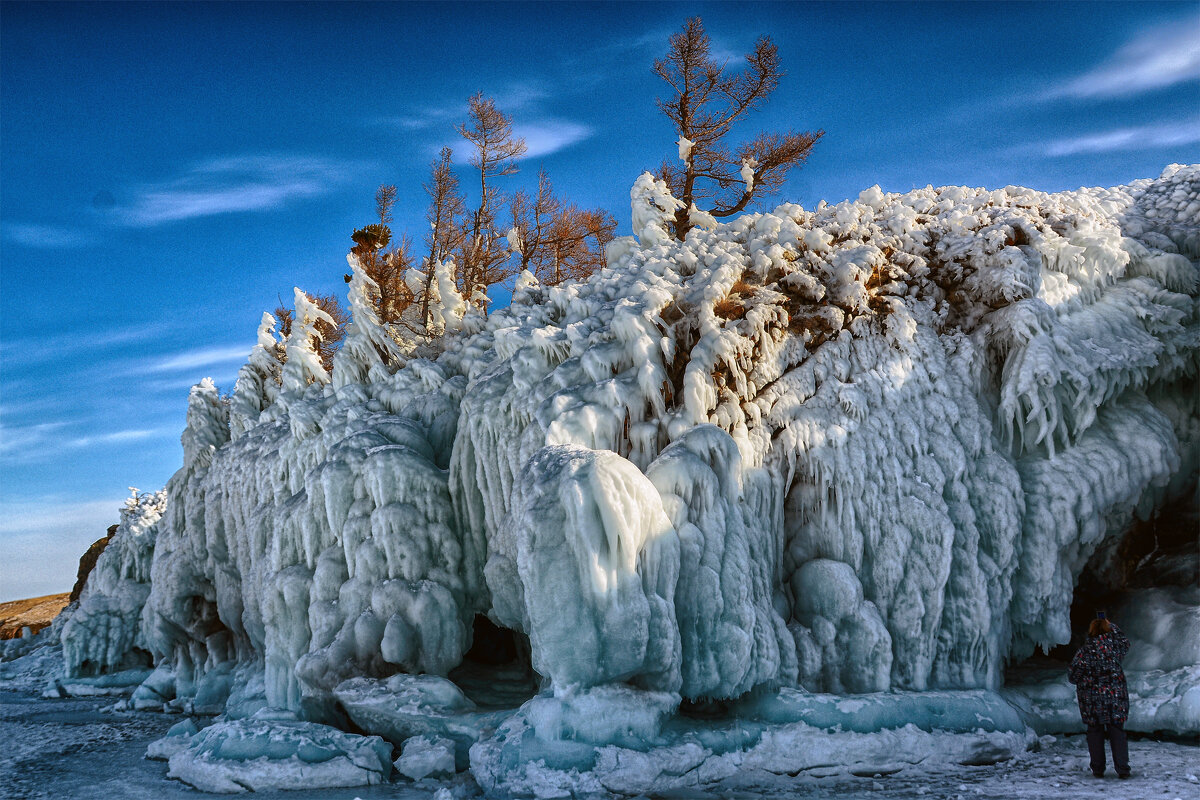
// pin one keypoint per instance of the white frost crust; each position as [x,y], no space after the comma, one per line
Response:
[303,365]
[449,307]
[685,149]
[653,208]
[513,237]
[258,380]
[369,352]
[747,173]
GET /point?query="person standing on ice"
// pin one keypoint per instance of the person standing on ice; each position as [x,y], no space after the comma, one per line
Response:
[1102,693]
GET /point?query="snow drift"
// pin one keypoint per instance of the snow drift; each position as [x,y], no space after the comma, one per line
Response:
[864,448]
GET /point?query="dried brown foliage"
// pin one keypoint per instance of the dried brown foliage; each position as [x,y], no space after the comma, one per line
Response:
[384,259]
[559,241]
[733,305]
[728,308]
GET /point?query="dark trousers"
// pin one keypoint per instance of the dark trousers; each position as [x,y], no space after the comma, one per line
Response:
[1115,733]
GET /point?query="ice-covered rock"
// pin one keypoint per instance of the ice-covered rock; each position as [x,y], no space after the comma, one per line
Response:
[620,743]
[260,754]
[870,447]
[178,738]
[425,757]
[405,706]
[102,638]
[590,520]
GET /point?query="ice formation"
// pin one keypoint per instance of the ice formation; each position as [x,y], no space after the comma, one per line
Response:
[425,757]
[278,753]
[747,173]
[822,472]
[103,638]
[371,350]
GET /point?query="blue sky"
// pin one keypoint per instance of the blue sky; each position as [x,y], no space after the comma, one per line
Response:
[167,171]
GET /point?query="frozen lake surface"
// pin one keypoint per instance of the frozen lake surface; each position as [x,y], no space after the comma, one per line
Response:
[74,749]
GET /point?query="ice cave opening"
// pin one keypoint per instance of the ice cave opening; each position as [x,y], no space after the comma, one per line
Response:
[133,659]
[1146,580]
[497,672]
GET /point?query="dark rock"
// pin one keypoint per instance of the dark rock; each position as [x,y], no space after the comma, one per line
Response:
[88,560]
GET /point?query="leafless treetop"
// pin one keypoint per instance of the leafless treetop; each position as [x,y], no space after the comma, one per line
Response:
[704,105]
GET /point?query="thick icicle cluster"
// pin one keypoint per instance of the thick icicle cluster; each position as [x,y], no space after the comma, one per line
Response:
[866,447]
[103,634]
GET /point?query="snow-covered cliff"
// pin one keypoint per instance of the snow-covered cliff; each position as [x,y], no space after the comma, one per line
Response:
[867,447]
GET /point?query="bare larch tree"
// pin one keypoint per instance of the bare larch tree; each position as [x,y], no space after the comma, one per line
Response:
[704,105]
[495,149]
[558,242]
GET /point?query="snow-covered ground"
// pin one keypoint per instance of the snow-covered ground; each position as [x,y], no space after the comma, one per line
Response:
[73,748]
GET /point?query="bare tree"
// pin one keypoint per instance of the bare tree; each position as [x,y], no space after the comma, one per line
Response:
[445,213]
[384,258]
[558,242]
[331,336]
[495,150]
[533,219]
[577,240]
[704,105]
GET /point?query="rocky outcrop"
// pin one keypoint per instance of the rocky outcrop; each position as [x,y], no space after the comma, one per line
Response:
[88,560]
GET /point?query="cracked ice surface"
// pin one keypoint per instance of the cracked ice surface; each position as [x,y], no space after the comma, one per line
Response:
[861,448]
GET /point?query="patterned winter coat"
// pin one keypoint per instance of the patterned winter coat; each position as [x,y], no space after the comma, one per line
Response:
[1099,680]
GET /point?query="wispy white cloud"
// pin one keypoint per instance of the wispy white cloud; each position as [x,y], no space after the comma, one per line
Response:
[1155,59]
[542,138]
[521,95]
[1144,137]
[231,185]
[550,136]
[120,437]
[45,237]
[42,440]
[53,346]
[24,438]
[423,118]
[200,357]
[512,98]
